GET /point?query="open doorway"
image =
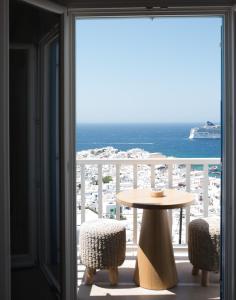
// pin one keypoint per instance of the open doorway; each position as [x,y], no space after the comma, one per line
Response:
[144,89]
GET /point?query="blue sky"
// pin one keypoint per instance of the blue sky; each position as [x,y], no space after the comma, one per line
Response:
[148,71]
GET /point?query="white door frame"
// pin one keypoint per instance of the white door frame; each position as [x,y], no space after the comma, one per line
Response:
[228,113]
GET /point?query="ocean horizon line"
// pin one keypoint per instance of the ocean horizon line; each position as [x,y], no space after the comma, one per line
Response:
[146,123]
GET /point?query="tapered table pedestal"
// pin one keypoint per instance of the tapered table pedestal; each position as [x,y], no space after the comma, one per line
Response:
[155,264]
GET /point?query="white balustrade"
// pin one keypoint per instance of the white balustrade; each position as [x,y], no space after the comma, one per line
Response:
[118,163]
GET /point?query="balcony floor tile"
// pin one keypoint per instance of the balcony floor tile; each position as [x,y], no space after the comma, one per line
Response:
[189,287]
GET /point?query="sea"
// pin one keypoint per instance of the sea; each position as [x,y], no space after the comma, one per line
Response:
[168,139]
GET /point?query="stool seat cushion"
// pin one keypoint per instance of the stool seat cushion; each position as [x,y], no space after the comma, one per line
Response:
[102,243]
[204,243]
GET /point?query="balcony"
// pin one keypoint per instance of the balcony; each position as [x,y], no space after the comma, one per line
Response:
[98,181]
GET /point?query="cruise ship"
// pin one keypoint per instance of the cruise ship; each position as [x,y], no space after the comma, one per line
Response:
[208,131]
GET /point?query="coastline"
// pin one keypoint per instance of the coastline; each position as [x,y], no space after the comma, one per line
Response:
[169,139]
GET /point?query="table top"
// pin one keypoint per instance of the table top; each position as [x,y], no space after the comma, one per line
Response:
[141,198]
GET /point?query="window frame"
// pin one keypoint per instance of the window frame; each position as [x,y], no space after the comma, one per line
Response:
[44,217]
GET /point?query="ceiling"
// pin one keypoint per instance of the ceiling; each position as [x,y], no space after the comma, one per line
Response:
[142,3]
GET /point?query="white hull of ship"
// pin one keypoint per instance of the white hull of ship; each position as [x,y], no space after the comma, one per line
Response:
[200,136]
[204,137]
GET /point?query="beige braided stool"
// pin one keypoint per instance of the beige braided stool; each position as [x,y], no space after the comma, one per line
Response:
[204,246]
[102,245]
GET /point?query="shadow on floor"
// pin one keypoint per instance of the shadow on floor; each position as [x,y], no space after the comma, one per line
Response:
[189,287]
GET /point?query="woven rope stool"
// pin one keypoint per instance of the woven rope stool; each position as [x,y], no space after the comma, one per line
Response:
[102,245]
[204,246]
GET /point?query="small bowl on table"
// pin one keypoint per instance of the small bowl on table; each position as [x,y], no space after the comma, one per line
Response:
[157,193]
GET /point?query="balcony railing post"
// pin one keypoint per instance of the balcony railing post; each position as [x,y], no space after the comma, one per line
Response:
[117,190]
[188,189]
[100,202]
[170,185]
[205,190]
[82,190]
[152,176]
[170,175]
[135,215]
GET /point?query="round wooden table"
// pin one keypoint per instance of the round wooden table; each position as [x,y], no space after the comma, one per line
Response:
[155,264]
